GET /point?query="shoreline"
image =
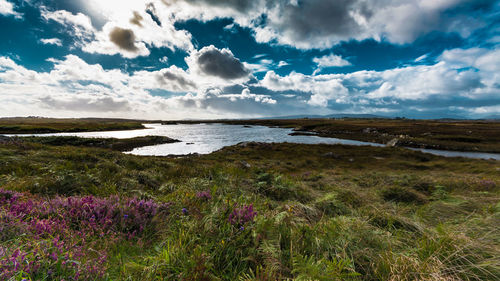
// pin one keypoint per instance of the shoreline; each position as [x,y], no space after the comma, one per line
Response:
[461,136]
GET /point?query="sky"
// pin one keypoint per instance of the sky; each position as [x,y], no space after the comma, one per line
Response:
[206,59]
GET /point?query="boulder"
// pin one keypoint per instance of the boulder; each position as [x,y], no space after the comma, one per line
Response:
[245,164]
[393,142]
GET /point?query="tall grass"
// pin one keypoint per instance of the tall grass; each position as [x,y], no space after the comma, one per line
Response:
[288,213]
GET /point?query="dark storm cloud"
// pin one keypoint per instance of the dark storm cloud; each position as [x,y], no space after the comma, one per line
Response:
[238,5]
[123,38]
[175,80]
[220,63]
[136,19]
[400,21]
[316,18]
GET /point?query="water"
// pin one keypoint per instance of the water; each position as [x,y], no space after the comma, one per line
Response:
[207,138]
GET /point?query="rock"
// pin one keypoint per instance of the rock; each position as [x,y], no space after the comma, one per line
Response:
[393,142]
[330,155]
[243,144]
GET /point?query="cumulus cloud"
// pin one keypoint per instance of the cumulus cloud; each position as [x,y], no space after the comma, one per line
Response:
[331,61]
[123,38]
[79,23]
[210,61]
[76,88]
[7,9]
[301,24]
[218,85]
[129,31]
[176,79]
[86,104]
[52,41]
[163,59]
[322,88]
[445,84]
[217,100]
[323,23]
[479,58]
[136,19]
[113,40]
[282,63]
[236,5]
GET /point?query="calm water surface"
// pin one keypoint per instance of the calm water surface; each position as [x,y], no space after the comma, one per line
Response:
[206,138]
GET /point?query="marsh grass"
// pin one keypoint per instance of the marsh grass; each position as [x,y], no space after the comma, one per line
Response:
[53,125]
[349,217]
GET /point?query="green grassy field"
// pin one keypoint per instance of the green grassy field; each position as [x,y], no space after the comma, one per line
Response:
[247,212]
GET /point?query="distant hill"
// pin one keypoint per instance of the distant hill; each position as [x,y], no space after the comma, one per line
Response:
[492,117]
[339,115]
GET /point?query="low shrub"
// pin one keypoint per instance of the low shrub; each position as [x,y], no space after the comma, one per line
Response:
[401,194]
[53,238]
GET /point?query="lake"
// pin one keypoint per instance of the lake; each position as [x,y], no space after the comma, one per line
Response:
[206,138]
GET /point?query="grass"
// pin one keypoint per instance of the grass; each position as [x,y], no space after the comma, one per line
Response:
[36,125]
[111,143]
[254,212]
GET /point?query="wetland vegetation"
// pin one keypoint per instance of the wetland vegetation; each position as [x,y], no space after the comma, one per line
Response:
[111,143]
[37,125]
[253,211]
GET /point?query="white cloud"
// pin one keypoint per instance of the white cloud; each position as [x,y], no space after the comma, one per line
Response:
[483,59]
[449,79]
[330,61]
[282,63]
[123,15]
[149,31]
[163,59]
[79,23]
[322,88]
[421,58]
[104,45]
[463,80]
[75,88]
[323,23]
[7,9]
[52,41]
[301,24]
